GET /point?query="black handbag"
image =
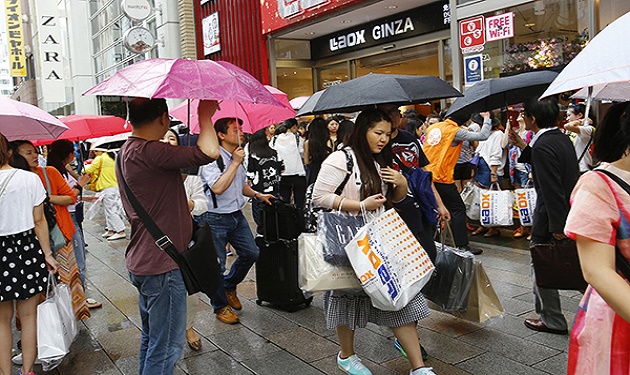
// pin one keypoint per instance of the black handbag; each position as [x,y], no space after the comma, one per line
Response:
[199,263]
[557,265]
[280,221]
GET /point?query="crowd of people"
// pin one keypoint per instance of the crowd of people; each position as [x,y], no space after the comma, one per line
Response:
[306,164]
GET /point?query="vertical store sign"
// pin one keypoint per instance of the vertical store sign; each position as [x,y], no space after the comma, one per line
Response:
[15,42]
[211,34]
[50,52]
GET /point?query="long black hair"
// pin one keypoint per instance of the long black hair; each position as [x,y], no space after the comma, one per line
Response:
[612,138]
[259,145]
[370,178]
[344,131]
[57,152]
[317,138]
[17,160]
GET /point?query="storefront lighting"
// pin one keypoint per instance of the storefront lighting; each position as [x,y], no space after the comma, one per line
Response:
[346,21]
[389,7]
[389,46]
[529,24]
[310,33]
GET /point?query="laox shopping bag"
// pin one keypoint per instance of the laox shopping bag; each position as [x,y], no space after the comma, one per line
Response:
[496,207]
[525,204]
[56,324]
[389,261]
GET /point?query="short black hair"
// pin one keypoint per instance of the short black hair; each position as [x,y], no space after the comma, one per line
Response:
[143,111]
[612,138]
[460,117]
[545,111]
[222,124]
[289,123]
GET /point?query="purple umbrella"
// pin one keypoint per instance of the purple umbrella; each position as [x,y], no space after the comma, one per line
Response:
[20,120]
[185,79]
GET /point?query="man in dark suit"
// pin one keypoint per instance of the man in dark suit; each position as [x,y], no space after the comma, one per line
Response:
[555,170]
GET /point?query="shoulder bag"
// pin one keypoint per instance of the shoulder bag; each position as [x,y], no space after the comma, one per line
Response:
[198,263]
[57,239]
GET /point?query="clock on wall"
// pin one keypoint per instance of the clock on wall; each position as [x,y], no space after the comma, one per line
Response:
[138,39]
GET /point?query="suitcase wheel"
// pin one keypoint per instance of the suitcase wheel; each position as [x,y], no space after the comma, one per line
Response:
[308,301]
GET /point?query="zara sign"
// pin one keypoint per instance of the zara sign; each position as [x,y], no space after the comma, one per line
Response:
[426,19]
[51,52]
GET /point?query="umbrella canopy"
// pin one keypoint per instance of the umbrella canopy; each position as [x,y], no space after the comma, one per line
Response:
[111,142]
[89,126]
[297,103]
[372,89]
[185,79]
[501,92]
[605,59]
[20,120]
[254,116]
[615,92]
[309,104]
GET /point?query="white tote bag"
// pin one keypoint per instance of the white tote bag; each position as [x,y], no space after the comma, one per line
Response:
[496,207]
[525,204]
[390,263]
[317,275]
[56,324]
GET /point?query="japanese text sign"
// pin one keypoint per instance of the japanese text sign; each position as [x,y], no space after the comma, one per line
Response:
[15,41]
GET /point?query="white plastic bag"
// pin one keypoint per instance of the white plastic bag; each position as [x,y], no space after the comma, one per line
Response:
[496,207]
[525,204]
[390,263]
[470,196]
[317,275]
[56,324]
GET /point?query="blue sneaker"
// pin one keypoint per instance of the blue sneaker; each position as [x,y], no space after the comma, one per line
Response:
[397,345]
[352,365]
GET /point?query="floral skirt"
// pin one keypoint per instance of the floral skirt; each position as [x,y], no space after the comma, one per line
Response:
[23,271]
[600,339]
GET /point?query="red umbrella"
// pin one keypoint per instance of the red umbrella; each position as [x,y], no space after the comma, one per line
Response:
[82,127]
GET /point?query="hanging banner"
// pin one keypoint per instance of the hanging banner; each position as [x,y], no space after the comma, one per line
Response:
[15,42]
[50,52]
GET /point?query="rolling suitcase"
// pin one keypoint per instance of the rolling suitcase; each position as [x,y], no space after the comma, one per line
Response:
[277,275]
[280,221]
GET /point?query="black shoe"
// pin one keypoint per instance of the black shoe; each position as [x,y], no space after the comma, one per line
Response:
[471,250]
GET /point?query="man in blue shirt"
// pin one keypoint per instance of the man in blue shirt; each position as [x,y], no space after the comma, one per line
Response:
[226,188]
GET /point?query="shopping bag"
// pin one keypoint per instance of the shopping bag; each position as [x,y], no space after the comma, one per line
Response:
[335,230]
[470,197]
[389,261]
[496,207]
[525,200]
[483,302]
[56,324]
[317,275]
[450,284]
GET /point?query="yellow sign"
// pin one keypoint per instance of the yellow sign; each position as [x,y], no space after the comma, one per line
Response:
[14,38]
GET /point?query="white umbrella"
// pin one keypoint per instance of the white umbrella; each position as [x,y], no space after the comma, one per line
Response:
[614,92]
[105,142]
[605,59]
[297,103]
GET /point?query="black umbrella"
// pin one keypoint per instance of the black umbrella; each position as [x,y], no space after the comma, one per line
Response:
[309,104]
[372,89]
[501,92]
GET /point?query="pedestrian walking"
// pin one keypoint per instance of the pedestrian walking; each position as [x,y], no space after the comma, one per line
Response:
[290,148]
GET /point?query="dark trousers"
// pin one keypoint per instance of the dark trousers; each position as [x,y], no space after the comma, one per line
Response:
[453,202]
[293,185]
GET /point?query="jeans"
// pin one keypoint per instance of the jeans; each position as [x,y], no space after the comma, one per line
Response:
[256,211]
[162,303]
[483,174]
[79,248]
[232,228]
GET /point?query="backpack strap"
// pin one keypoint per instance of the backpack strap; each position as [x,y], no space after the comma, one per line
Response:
[207,188]
[349,168]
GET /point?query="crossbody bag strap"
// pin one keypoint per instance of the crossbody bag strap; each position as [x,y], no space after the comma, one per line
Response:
[47,181]
[162,241]
[623,265]
[349,168]
[590,139]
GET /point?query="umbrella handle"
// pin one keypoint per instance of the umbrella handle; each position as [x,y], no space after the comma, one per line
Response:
[589,98]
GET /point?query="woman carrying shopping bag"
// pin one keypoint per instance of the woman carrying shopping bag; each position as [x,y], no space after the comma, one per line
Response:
[25,253]
[372,184]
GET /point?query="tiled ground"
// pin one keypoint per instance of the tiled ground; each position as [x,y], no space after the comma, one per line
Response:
[271,341]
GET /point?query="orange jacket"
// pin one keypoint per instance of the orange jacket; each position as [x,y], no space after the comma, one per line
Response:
[438,147]
[59,186]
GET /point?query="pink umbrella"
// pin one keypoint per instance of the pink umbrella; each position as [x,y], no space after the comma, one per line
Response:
[20,120]
[186,79]
[90,126]
[254,116]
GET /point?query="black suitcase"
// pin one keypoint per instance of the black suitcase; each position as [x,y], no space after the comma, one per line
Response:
[277,275]
[280,221]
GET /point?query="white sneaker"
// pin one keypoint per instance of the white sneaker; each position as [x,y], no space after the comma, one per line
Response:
[116,236]
[18,360]
[107,234]
[423,371]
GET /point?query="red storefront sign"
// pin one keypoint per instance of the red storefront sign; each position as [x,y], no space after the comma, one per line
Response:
[276,14]
[472,36]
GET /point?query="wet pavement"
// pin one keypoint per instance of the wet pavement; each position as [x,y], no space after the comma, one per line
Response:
[271,341]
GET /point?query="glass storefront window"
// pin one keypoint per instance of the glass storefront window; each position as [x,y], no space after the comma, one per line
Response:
[332,75]
[291,49]
[421,60]
[295,81]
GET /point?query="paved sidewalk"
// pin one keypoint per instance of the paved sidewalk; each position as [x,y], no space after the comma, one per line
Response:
[270,341]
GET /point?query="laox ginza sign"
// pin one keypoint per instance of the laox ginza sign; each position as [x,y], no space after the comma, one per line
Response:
[382,31]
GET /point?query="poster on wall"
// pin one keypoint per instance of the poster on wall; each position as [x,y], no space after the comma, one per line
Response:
[14,38]
[473,69]
[500,27]
[211,35]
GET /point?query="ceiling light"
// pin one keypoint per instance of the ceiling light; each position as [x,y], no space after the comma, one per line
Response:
[389,7]
[529,24]
[310,33]
[346,21]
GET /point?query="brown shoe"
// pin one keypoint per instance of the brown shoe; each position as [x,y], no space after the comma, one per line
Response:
[538,325]
[226,315]
[233,300]
[193,339]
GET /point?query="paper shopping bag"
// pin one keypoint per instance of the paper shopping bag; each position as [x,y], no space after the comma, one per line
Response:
[496,208]
[470,197]
[525,200]
[390,263]
[483,302]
